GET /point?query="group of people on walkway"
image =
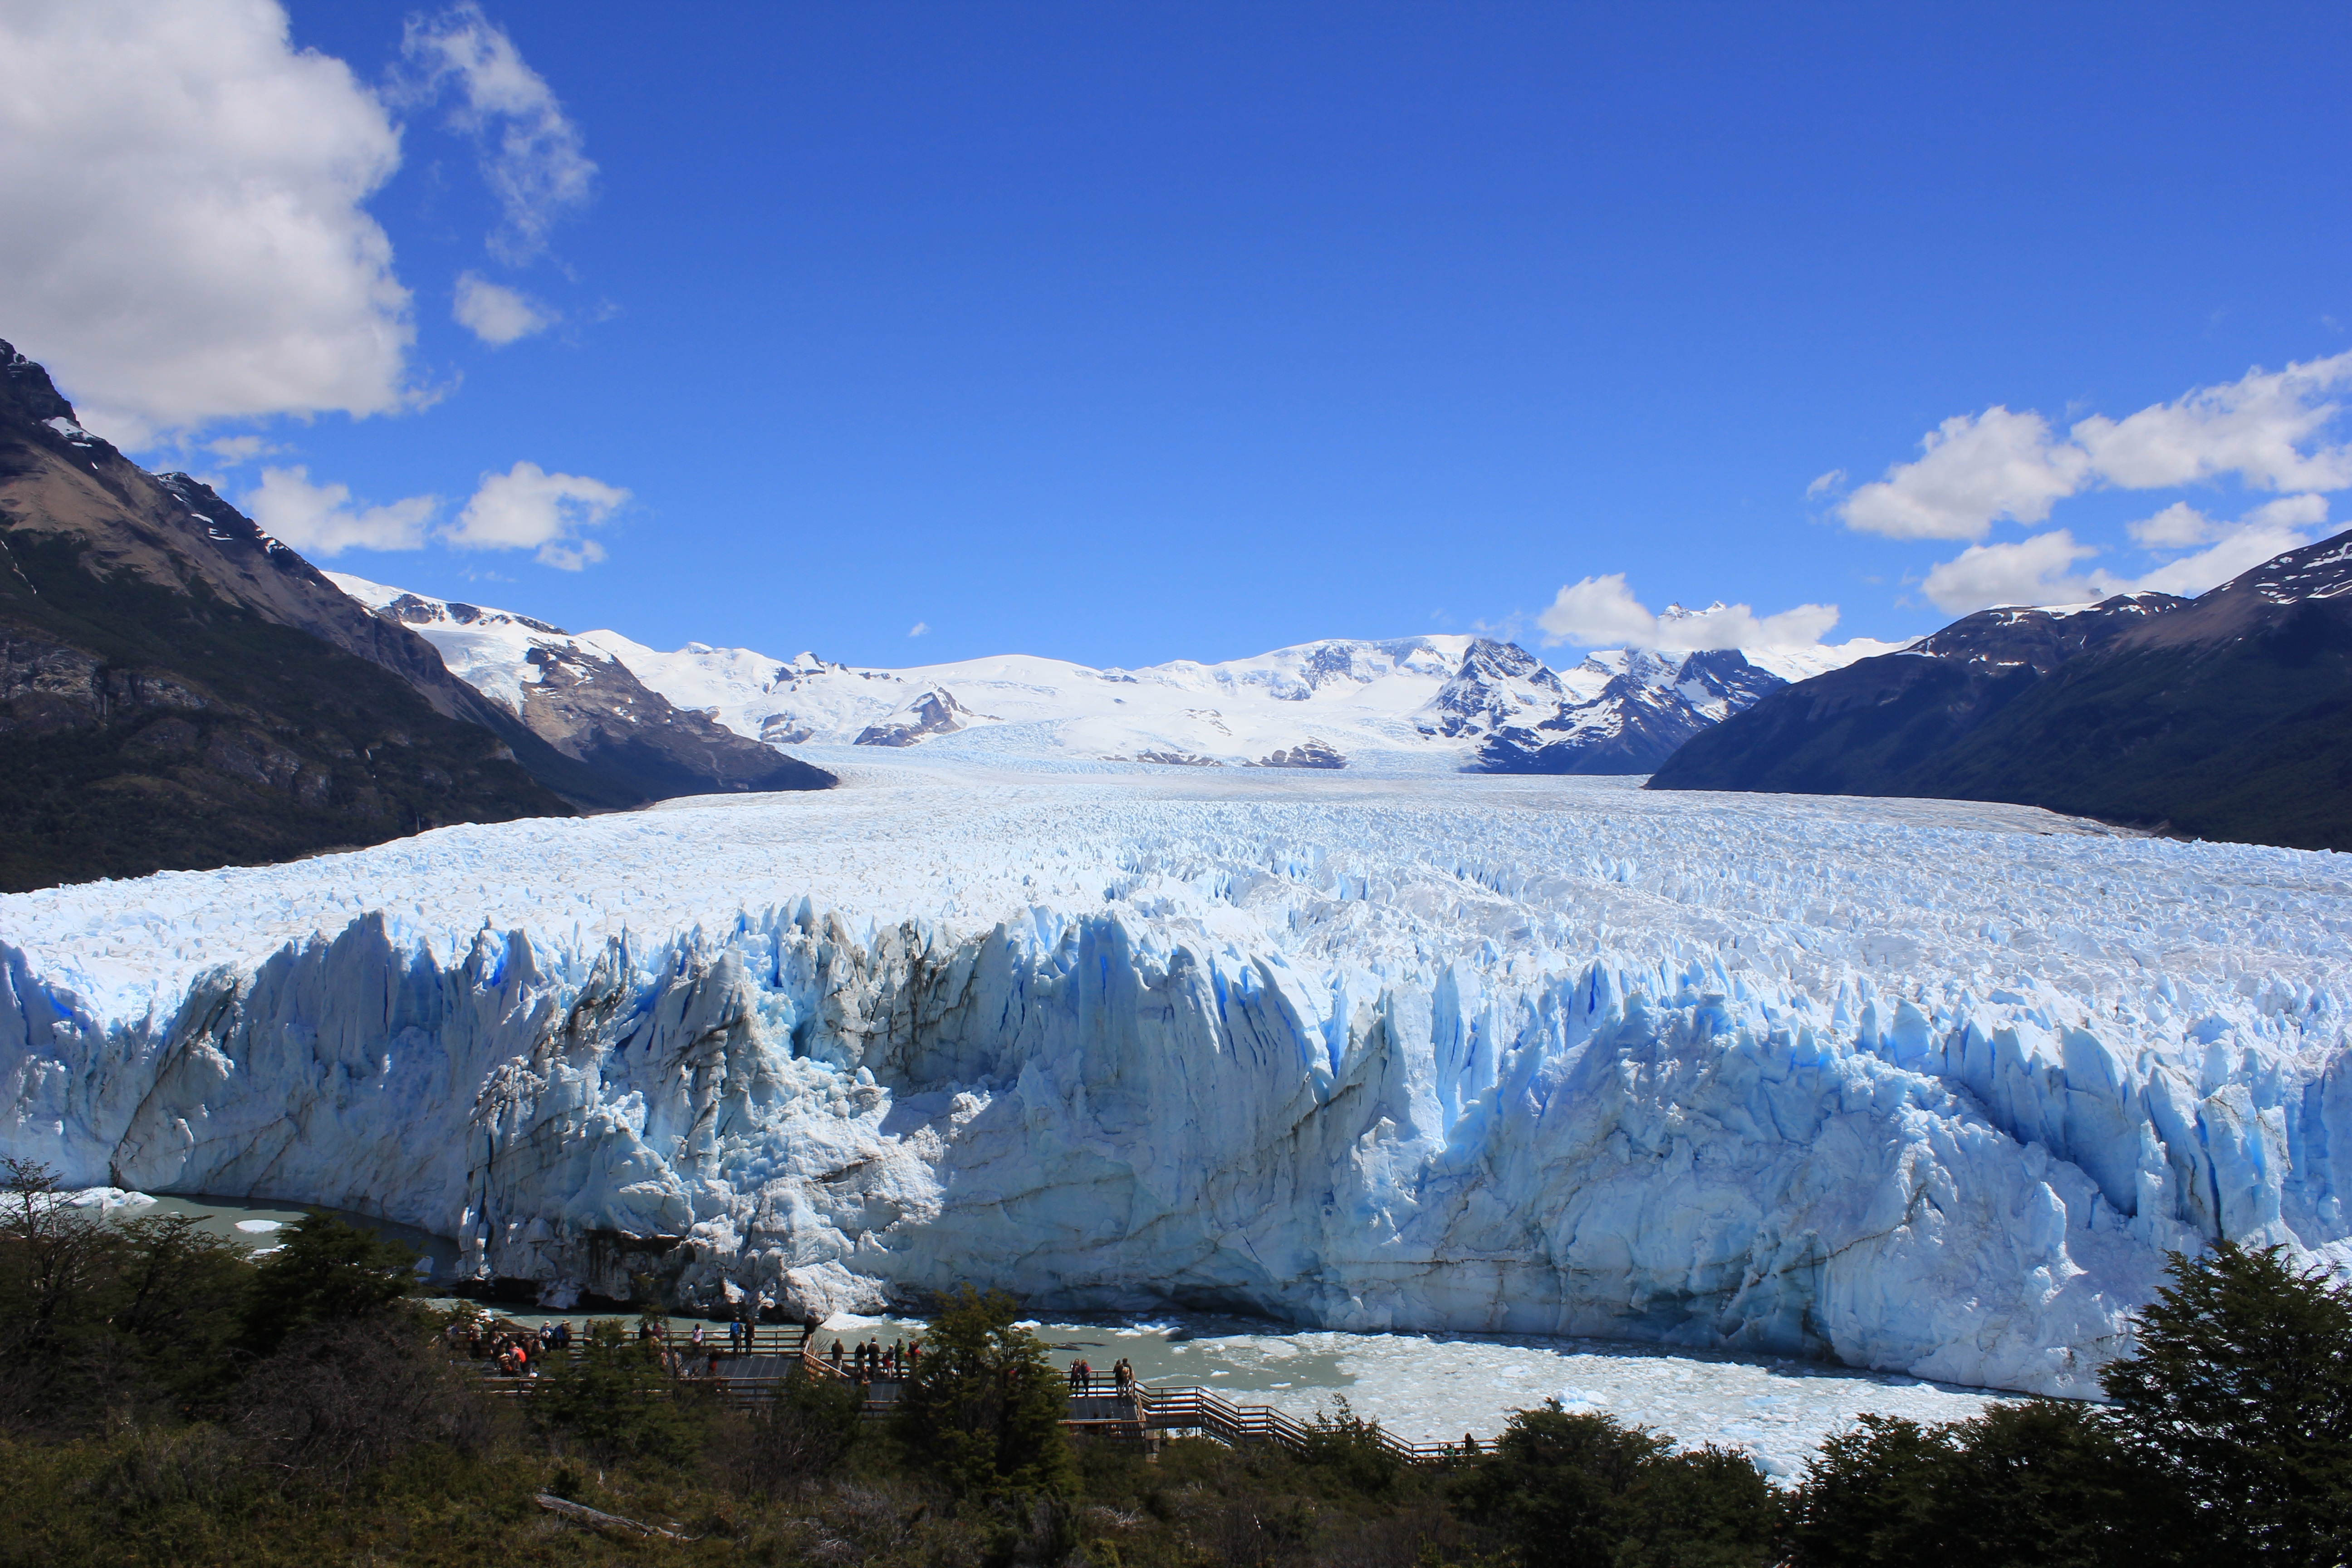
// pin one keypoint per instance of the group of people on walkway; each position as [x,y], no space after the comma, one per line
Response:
[1082,1377]
[872,1363]
[514,1350]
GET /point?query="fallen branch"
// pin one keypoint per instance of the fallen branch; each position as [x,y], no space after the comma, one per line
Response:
[589,1516]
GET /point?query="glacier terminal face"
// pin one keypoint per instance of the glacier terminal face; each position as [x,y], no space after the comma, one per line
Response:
[1921,1087]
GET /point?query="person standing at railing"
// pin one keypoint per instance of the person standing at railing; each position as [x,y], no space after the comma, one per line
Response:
[837,1355]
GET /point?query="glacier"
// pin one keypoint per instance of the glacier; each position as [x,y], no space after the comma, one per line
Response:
[1919,1086]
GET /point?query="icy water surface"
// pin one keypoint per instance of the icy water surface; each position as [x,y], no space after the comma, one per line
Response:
[255,1225]
[1435,1389]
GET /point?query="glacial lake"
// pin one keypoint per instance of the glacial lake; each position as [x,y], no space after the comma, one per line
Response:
[1425,1388]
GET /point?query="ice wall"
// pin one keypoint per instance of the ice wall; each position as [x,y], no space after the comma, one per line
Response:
[1297,1081]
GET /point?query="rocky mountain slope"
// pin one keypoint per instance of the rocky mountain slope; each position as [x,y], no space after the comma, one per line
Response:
[2228,715]
[178,689]
[583,701]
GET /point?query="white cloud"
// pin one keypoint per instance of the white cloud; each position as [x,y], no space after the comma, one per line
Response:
[2255,427]
[1972,469]
[1600,611]
[918,628]
[184,240]
[319,519]
[527,508]
[236,450]
[1826,483]
[496,314]
[530,150]
[2040,570]
[2177,527]
[2036,571]
[2240,548]
[2262,429]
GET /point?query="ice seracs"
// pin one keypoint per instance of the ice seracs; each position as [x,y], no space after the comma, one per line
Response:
[1919,1086]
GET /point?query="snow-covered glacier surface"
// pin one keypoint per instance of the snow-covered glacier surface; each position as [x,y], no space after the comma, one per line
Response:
[1922,1086]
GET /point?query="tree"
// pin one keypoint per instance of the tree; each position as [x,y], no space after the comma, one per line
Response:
[48,1257]
[1708,1509]
[323,1271]
[2043,1484]
[985,1410]
[1553,1483]
[2240,1397]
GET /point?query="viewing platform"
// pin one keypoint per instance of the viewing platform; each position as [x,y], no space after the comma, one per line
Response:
[1142,1414]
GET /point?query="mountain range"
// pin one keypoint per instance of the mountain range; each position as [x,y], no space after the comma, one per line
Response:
[2227,716]
[1454,701]
[179,689]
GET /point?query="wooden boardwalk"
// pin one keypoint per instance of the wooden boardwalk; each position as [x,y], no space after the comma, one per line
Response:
[1142,1414]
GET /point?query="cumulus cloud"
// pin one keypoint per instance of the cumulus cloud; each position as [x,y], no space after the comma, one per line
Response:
[531,151]
[1825,484]
[527,508]
[1600,611]
[918,628]
[2040,570]
[2177,526]
[184,238]
[320,520]
[2255,427]
[496,314]
[2263,429]
[2036,571]
[1972,469]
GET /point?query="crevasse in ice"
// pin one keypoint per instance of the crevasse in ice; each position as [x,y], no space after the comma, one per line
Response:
[1915,1086]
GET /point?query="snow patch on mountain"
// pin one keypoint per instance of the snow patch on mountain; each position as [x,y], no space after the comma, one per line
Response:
[1439,697]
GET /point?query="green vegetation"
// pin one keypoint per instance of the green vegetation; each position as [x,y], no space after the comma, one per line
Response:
[166,1400]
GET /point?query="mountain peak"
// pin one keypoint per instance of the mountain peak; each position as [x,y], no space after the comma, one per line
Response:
[27,395]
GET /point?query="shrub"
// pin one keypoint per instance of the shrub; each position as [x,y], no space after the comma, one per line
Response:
[1350,1450]
[339,1400]
[805,1432]
[614,1400]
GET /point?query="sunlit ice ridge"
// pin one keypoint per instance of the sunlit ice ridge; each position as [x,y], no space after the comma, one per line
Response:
[1916,1086]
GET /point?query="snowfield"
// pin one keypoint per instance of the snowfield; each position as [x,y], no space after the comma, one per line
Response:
[1922,1086]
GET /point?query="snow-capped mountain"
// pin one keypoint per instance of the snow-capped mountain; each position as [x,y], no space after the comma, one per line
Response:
[2226,716]
[1456,701]
[582,700]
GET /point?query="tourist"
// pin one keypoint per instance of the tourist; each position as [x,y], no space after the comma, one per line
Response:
[734,1336]
[874,1356]
[837,1355]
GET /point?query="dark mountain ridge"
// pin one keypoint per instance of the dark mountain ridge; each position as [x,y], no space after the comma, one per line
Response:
[2228,715]
[180,691]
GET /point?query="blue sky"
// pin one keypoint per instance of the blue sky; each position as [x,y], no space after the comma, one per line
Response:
[1137,332]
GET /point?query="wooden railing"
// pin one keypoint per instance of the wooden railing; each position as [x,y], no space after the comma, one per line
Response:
[1198,1409]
